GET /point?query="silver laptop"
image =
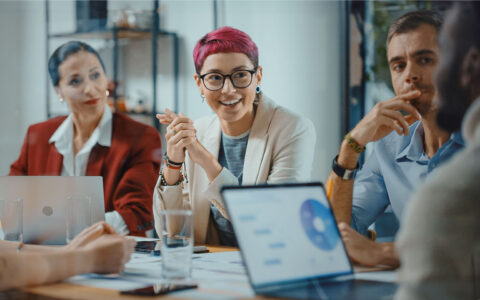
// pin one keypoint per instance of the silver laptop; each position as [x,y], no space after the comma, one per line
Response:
[291,245]
[44,203]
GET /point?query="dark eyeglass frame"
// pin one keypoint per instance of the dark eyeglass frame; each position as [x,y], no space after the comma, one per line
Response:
[225,76]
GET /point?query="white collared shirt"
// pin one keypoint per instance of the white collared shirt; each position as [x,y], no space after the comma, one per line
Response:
[76,165]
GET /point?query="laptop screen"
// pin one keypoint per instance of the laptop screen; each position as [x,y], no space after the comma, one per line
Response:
[286,232]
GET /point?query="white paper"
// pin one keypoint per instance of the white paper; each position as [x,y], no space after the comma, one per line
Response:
[218,275]
[142,239]
[106,283]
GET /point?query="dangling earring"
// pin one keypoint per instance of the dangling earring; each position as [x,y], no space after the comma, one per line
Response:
[107,93]
[258,89]
[203,98]
[61,100]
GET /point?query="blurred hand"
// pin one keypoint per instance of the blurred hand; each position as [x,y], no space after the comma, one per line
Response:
[180,134]
[109,253]
[360,249]
[89,234]
[386,117]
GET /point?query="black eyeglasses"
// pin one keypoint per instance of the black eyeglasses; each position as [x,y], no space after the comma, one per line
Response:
[240,79]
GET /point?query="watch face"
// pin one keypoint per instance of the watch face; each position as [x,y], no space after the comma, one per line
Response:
[349,174]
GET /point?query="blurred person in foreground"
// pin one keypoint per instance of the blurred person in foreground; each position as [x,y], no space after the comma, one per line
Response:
[97,249]
[439,245]
[93,141]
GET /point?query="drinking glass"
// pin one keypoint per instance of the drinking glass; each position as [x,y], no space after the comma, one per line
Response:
[78,215]
[11,219]
[177,244]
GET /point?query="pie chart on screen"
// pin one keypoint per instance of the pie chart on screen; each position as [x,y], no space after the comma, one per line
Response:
[318,224]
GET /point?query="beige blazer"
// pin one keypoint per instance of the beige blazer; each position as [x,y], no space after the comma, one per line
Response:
[280,149]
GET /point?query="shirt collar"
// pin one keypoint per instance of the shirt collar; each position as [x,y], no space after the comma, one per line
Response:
[413,148]
[105,128]
[63,136]
[414,151]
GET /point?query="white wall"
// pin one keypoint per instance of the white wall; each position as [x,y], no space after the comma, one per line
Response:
[299,44]
[9,77]
[22,74]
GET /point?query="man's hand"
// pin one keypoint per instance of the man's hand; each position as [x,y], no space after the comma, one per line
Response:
[386,117]
[366,252]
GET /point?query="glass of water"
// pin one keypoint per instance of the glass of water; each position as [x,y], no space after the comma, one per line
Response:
[177,244]
[11,220]
[78,215]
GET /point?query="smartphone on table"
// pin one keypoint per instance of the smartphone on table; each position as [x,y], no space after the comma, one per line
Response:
[160,289]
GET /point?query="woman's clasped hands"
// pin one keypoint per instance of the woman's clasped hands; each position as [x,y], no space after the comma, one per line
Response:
[181,136]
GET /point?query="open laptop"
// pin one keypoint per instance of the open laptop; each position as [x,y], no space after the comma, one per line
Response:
[44,203]
[291,245]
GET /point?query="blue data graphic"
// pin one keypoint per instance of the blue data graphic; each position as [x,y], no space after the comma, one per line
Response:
[318,224]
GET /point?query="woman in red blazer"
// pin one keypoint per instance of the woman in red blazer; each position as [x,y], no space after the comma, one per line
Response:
[93,141]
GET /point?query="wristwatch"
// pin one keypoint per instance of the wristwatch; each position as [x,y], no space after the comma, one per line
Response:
[343,173]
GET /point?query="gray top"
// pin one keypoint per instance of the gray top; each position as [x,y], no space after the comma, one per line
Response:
[231,157]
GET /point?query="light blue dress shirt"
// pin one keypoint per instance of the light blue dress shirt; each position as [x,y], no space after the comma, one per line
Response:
[395,168]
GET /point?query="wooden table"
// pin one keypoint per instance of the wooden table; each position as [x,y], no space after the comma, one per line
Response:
[71,291]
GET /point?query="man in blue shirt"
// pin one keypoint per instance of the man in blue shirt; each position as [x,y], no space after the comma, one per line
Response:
[406,149]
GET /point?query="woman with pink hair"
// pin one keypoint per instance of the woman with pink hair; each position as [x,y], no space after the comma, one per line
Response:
[249,139]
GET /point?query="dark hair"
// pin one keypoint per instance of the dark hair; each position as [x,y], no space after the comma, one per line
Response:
[413,20]
[63,52]
[468,24]
[454,99]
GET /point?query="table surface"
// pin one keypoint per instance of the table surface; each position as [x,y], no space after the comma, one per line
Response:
[64,290]
[71,291]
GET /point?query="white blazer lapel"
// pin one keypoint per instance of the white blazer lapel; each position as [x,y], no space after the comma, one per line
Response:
[257,141]
[212,136]
[211,141]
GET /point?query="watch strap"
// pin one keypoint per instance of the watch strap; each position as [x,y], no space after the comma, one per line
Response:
[343,173]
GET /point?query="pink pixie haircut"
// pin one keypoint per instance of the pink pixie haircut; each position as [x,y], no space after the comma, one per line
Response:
[224,40]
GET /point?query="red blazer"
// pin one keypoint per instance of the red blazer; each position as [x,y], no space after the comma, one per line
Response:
[129,167]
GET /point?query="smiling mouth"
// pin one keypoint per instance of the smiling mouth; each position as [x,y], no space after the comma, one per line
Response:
[230,103]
